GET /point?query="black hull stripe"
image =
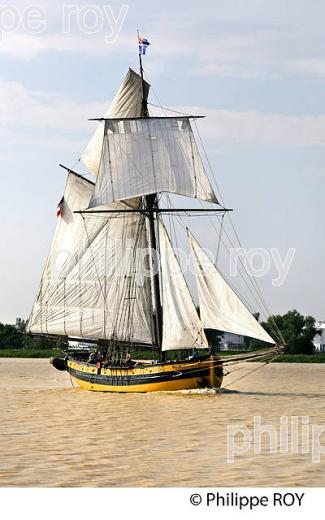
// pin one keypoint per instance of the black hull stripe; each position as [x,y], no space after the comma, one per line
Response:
[137,380]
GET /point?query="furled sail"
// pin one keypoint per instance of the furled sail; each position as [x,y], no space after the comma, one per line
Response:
[126,103]
[94,284]
[143,156]
[220,307]
[181,324]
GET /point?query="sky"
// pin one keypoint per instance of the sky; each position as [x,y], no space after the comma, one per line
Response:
[256,69]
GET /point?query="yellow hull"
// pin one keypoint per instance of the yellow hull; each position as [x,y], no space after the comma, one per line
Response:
[162,377]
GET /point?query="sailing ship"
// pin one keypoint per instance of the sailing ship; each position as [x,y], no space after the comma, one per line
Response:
[112,276]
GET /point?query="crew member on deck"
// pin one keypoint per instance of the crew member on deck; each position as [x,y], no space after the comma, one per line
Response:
[128,360]
[194,355]
[92,358]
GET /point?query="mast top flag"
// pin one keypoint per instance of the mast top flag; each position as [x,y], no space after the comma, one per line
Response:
[143,44]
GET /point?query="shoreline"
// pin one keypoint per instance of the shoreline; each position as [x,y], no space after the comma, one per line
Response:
[35,353]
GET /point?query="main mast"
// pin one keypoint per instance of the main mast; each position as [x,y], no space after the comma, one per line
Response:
[151,205]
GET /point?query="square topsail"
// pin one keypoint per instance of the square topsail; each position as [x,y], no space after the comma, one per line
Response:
[153,155]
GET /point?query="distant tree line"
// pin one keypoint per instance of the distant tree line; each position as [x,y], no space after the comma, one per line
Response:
[297,331]
[13,337]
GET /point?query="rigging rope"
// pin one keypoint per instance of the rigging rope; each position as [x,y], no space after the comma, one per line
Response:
[254,370]
[219,239]
[249,272]
[168,109]
[180,221]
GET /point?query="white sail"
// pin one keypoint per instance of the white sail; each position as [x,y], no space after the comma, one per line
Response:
[151,155]
[94,284]
[126,103]
[181,324]
[220,307]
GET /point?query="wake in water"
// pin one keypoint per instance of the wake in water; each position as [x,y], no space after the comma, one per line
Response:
[193,391]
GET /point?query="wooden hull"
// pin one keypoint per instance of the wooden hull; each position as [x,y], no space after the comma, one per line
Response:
[147,377]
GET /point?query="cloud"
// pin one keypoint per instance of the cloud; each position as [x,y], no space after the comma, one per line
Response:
[244,49]
[60,27]
[313,66]
[39,110]
[224,70]
[38,119]
[231,42]
[314,172]
[256,127]
[27,46]
[34,121]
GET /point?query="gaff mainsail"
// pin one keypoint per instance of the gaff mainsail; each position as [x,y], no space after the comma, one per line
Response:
[74,297]
[93,284]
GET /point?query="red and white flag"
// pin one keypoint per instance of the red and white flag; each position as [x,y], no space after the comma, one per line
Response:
[59,209]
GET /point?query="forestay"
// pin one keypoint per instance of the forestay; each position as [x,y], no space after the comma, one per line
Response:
[126,103]
[94,283]
[220,307]
[181,324]
[143,156]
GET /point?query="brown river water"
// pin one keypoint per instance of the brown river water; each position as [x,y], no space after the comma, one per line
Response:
[52,434]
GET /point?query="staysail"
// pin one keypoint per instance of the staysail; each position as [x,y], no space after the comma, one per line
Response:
[181,324]
[220,307]
[94,284]
[126,103]
[144,156]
